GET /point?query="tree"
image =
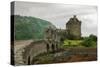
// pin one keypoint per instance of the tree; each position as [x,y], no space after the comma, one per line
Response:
[89,41]
[93,37]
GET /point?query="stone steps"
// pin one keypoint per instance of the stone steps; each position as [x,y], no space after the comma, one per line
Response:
[19,57]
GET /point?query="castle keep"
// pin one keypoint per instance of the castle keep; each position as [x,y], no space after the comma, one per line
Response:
[73,27]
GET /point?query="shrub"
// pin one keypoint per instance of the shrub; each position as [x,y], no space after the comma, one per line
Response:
[90,41]
[87,42]
[93,37]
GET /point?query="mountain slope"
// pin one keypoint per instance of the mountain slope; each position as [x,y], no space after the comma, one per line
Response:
[30,27]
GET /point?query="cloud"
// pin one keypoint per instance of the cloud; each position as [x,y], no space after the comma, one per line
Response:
[59,14]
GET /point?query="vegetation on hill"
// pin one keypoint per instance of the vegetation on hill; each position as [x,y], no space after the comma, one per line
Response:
[30,27]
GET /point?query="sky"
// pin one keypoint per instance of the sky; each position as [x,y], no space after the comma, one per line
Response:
[59,14]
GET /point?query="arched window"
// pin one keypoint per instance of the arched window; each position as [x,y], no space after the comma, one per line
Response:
[28,60]
[47,46]
[53,47]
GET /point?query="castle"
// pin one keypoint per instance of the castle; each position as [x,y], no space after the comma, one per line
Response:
[54,37]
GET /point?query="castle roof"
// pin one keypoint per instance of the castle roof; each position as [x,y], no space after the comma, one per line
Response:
[74,19]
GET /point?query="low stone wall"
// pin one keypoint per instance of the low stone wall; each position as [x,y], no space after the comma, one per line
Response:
[19,50]
[24,54]
[33,50]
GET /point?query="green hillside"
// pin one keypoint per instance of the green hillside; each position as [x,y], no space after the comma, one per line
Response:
[29,27]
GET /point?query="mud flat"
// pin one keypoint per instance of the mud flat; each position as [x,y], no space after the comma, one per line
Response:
[68,55]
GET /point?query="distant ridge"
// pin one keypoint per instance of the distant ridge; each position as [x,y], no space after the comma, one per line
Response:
[29,27]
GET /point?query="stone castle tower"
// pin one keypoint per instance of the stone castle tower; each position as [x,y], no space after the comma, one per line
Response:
[73,27]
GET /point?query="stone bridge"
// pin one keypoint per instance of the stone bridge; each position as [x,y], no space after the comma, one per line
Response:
[32,50]
[25,52]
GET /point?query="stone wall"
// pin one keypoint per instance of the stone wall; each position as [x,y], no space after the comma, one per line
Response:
[52,39]
[32,50]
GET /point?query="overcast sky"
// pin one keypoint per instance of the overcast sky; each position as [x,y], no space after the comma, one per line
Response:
[59,14]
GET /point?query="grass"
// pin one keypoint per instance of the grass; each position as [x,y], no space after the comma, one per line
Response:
[44,58]
[72,43]
[75,43]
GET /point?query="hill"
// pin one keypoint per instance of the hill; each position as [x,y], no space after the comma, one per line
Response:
[30,27]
